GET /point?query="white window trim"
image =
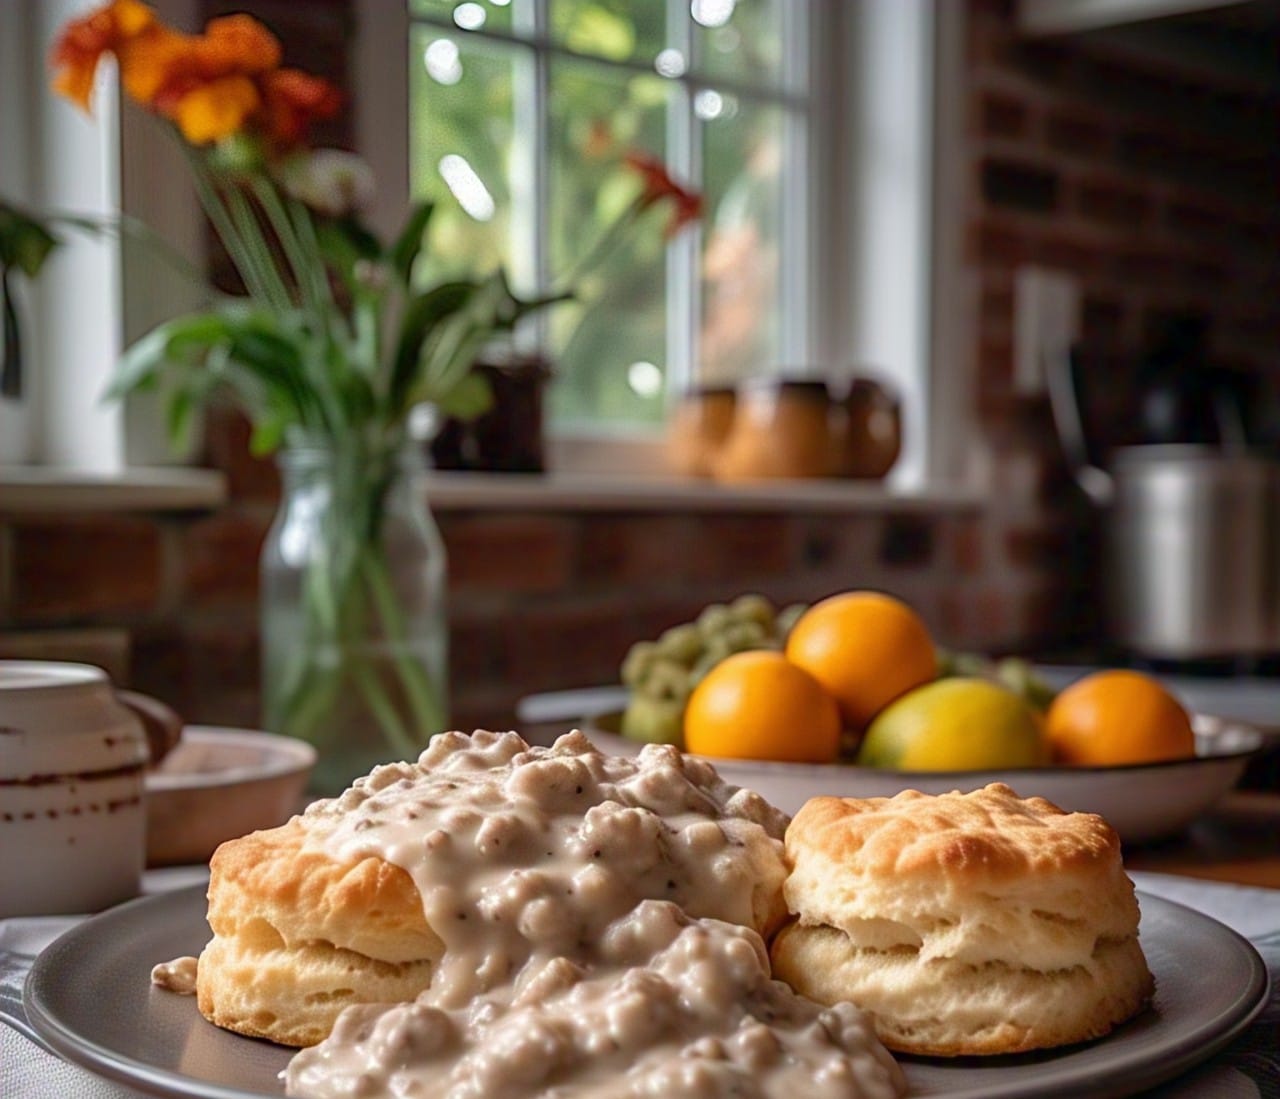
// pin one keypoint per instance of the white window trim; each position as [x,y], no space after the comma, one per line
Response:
[94,296]
[884,206]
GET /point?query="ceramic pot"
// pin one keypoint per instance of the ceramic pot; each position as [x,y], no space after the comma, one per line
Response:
[72,819]
[870,433]
[781,429]
[700,423]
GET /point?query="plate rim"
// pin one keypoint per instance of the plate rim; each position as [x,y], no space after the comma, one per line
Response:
[1209,1037]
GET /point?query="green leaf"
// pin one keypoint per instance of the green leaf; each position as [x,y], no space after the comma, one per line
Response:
[471,396]
[24,241]
[179,415]
[409,243]
[422,316]
[344,242]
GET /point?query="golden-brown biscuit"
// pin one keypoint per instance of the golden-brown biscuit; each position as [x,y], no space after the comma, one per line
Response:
[972,923]
[298,937]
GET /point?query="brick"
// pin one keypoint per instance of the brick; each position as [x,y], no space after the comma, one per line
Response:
[1019,185]
[849,543]
[1113,204]
[1001,115]
[963,539]
[564,645]
[509,552]
[226,448]
[623,549]
[994,244]
[220,556]
[72,568]
[908,541]
[1078,133]
[477,652]
[739,550]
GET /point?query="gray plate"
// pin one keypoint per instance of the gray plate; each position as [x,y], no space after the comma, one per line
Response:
[89,996]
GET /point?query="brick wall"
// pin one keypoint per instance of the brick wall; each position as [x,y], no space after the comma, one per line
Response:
[1157,190]
[1152,190]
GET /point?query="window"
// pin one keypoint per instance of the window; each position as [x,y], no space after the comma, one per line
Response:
[518,113]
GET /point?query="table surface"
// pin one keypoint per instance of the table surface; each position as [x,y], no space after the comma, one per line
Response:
[1239,841]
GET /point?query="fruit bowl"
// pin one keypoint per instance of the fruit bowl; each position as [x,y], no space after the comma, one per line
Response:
[1142,801]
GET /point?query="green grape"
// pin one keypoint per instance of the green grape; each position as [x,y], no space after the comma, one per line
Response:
[653,720]
[668,680]
[714,619]
[638,661]
[787,618]
[753,608]
[681,643]
[744,635]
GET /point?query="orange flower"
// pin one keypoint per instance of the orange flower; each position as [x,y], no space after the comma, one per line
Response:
[292,101]
[82,43]
[659,186]
[148,62]
[217,109]
[207,85]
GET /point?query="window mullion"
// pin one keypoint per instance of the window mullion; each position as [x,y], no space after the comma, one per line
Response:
[684,290]
[531,258]
[795,336]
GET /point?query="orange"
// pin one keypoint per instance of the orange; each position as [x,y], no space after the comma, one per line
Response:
[866,649]
[758,705]
[1117,717]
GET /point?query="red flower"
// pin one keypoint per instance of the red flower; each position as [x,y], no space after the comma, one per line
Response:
[659,186]
[293,100]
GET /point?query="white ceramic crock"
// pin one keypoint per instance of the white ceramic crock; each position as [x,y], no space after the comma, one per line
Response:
[72,819]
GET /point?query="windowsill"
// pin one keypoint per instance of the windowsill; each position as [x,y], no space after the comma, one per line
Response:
[41,490]
[448,491]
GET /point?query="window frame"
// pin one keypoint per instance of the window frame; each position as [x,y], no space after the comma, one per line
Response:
[867,302]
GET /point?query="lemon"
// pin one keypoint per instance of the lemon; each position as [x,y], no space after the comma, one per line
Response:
[959,724]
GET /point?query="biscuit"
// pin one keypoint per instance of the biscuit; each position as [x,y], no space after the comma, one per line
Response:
[975,923]
[484,843]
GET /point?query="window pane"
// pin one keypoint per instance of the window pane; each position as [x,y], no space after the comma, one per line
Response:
[461,148]
[472,15]
[619,30]
[739,39]
[742,147]
[609,347]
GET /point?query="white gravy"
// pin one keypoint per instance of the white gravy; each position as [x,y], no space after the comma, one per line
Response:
[596,913]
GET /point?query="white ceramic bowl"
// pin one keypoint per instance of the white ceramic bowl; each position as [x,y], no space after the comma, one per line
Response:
[1142,802]
[217,784]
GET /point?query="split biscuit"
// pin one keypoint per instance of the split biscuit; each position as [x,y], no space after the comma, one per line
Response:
[977,923]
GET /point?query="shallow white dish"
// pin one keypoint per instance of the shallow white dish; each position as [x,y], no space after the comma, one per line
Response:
[219,783]
[1142,802]
[158,1041]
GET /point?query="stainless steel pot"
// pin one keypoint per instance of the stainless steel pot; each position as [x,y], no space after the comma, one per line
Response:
[1192,541]
[1191,552]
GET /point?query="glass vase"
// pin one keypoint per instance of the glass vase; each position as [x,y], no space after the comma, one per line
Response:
[354,627]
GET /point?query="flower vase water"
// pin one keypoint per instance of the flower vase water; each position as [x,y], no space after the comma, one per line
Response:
[354,629]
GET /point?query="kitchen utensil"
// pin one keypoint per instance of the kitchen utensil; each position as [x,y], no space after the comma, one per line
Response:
[1192,536]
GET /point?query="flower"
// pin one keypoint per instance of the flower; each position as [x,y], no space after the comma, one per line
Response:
[330,181]
[213,86]
[659,186]
[293,100]
[80,46]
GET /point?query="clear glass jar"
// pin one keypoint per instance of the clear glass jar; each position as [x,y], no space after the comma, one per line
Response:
[353,615]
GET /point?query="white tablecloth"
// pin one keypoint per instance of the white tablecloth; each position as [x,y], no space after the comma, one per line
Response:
[1248,1069]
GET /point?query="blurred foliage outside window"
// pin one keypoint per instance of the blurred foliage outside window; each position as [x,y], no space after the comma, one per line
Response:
[520,111]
